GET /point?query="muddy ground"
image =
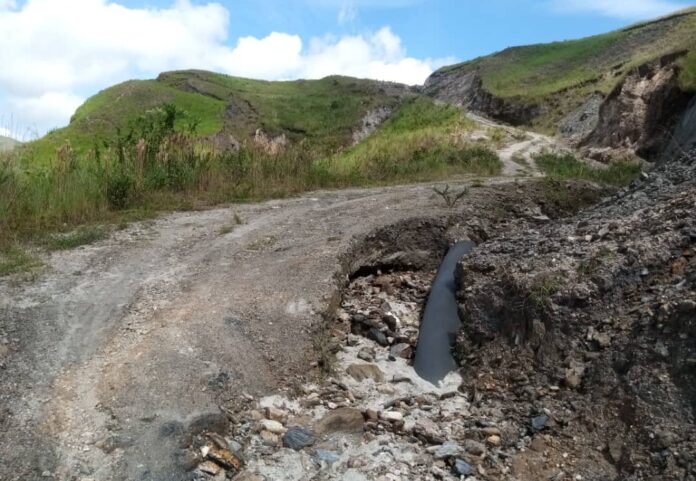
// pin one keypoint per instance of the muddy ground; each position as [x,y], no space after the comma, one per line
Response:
[118,348]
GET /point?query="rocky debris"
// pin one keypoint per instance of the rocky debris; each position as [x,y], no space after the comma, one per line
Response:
[577,340]
[374,420]
[385,307]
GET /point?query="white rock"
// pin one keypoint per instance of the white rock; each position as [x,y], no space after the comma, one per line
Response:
[271,426]
[392,416]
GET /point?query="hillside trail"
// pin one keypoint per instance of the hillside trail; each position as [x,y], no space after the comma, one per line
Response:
[519,150]
[114,348]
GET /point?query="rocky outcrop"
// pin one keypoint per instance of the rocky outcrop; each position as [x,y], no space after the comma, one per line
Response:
[372,120]
[465,89]
[639,114]
[581,122]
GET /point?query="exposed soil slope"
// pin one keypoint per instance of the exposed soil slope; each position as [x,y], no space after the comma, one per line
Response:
[590,323]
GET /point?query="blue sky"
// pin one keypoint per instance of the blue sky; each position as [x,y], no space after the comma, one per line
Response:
[56,53]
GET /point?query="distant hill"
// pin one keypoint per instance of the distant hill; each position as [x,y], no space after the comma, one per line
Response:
[541,85]
[582,89]
[324,113]
[7,143]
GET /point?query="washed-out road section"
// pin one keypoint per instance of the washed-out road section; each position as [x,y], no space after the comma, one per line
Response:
[117,345]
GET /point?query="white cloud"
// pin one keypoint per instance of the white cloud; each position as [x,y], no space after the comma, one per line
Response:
[52,107]
[52,57]
[624,9]
[347,13]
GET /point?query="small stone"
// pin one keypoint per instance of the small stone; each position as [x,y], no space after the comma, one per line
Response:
[491,431]
[439,473]
[539,422]
[209,467]
[462,468]
[297,438]
[493,440]
[572,379]
[276,414]
[447,450]
[392,416]
[474,447]
[372,415]
[360,372]
[46,474]
[271,426]
[366,354]
[378,336]
[224,458]
[325,456]
[602,339]
[341,420]
[386,389]
[402,350]
[269,438]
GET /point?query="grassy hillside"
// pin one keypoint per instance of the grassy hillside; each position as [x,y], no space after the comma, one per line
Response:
[562,74]
[7,143]
[421,137]
[324,112]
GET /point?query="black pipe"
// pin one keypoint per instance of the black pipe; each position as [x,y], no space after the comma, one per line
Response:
[440,323]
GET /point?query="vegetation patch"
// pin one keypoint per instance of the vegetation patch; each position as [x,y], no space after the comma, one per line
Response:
[15,259]
[687,76]
[423,140]
[563,167]
[78,237]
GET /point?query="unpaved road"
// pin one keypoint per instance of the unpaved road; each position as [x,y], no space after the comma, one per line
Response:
[117,345]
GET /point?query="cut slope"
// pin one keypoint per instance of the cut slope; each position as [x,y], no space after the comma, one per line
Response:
[325,112]
[544,82]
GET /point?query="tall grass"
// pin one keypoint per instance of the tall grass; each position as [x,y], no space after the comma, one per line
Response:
[155,166]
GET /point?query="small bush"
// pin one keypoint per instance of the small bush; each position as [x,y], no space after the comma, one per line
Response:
[119,190]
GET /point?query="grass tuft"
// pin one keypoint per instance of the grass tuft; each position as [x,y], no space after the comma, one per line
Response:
[563,167]
[79,237]
[15,259]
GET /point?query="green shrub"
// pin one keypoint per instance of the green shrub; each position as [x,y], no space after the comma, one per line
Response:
[119,190]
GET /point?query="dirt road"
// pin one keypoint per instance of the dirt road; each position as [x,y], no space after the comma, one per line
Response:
[118,345]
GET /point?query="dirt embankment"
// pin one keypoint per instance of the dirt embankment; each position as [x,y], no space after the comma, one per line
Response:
[589,325]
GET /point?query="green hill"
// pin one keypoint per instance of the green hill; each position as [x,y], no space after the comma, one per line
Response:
[324,113]
[7,143]
[539,84]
